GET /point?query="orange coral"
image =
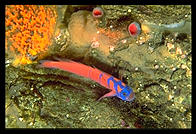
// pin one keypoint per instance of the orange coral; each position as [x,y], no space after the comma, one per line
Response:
[29,30]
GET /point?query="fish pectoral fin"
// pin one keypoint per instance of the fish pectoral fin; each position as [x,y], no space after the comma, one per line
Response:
[110,94]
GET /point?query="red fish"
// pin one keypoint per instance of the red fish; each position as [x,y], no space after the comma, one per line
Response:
[117,87]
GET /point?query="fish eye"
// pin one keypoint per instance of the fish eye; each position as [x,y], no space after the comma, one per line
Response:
[124,94]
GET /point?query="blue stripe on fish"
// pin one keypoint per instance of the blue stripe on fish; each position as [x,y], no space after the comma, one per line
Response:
[101,75]
[124,93]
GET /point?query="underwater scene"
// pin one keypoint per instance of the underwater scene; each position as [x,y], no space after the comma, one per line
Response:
[98,66]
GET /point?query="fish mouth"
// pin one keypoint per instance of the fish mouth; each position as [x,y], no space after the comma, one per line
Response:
[131,97]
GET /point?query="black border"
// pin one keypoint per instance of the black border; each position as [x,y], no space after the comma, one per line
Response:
[70,2]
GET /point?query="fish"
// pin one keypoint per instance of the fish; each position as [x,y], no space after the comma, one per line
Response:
[117,87]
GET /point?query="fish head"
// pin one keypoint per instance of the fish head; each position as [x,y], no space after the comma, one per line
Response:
[127,94]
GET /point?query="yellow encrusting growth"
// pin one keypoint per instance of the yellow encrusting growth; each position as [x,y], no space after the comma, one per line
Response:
[29,30]
[145,28]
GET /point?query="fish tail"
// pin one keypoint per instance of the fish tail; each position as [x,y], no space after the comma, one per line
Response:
[47,64]
[41,63]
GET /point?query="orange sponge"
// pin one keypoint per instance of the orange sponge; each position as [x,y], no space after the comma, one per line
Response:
[29,30]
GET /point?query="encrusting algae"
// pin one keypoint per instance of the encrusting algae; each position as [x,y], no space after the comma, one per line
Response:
[29,30]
